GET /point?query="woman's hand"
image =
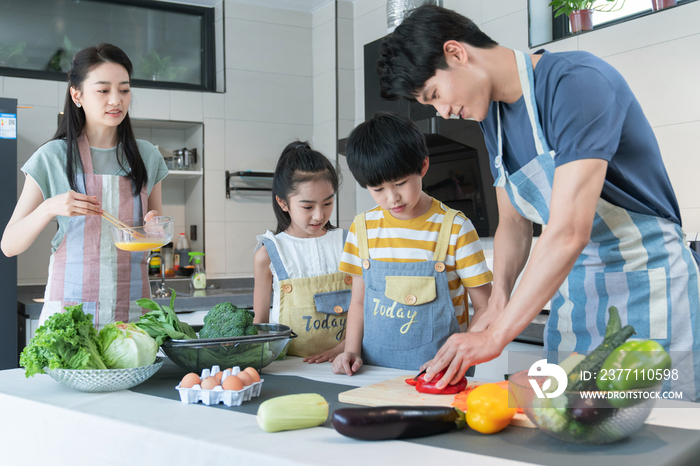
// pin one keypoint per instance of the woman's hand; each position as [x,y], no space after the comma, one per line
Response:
[72,204]
[347,363]
[150,215]
[459,352]
[326,355]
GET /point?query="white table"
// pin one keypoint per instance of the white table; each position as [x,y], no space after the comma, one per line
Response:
[45,423]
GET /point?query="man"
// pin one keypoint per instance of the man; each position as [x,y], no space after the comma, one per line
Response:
[570,148]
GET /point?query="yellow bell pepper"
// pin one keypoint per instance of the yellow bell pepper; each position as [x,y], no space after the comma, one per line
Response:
[487,409]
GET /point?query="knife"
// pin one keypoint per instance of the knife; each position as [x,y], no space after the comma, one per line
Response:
[421,373]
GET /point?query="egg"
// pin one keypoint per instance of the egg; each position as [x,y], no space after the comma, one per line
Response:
[190,380]
[209,383]
[245,378]
[218,375]
[253,373]
[232,382]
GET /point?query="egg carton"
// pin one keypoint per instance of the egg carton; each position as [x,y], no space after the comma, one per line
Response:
[217,394]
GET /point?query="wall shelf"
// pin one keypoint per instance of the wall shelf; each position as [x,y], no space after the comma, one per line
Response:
[184,174]
[254,181]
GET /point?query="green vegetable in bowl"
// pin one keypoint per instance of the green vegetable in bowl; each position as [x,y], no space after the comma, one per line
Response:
[226,320]
[550,417]
[597,357]
[126,345]
[162,322]
[634,364]
[67,340]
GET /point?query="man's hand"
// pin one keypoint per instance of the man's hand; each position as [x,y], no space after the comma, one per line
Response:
[459,352]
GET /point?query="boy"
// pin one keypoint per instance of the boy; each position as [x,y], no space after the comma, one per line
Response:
[411,256]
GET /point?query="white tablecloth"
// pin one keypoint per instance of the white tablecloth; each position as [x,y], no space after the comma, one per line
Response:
[45,423]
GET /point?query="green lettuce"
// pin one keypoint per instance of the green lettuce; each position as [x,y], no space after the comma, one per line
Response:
[126,345]
[67,340]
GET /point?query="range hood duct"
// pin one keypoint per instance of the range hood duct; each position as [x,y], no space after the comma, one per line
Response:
[397,10]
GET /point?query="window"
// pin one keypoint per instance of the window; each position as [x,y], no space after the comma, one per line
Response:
[170,45]
[545,28]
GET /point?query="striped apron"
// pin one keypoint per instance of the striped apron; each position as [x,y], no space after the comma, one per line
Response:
[639,263]
[408,310]
[87,268]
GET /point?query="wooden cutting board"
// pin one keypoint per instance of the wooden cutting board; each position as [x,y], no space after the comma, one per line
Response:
[396,392]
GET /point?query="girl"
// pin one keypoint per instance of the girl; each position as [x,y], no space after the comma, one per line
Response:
[92,163]
[299,262]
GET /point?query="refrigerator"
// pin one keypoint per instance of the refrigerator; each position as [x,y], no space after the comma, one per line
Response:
[9,325]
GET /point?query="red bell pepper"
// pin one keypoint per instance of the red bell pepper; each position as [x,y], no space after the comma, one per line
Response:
[430,387]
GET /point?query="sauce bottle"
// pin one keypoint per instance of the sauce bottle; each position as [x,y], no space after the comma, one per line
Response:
[181,254]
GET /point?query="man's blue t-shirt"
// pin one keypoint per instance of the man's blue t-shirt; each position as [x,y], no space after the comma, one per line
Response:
[587,110]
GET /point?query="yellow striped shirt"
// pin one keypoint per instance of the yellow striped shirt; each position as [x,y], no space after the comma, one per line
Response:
[415,240]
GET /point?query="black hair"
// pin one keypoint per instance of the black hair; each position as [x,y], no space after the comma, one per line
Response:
[298,164]
[411,55]
[385,148]
[73,123]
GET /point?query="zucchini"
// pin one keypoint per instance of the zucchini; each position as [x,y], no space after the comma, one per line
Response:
[292,412]
[395,422]
[595,360]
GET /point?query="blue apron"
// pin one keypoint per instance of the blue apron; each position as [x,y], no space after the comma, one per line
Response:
[408,310]
[639,263]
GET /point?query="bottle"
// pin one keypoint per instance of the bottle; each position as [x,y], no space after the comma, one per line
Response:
[199,276]
[181,257]
[154,263]
[167,252]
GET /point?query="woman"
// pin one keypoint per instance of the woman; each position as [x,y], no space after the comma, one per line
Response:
[93,163]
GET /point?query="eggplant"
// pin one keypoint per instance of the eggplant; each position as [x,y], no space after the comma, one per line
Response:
[395,422]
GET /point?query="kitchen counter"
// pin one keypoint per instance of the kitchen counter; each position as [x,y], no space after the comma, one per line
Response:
[239,291]
[193,305]
[48,423]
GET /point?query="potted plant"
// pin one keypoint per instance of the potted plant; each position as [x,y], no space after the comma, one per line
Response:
[657,5]
[12,54]
[155,68]
[580,12]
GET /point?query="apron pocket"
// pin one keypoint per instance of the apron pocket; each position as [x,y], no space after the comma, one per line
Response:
[333,302]
[640,297]
[410,291]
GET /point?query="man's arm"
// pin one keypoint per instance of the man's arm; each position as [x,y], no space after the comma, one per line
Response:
[575,193]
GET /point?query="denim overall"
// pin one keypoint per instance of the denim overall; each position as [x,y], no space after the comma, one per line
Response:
[408,309]
[639,263]
[314,307]
[87,268]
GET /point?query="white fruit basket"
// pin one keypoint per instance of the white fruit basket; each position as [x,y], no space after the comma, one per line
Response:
[104,380]
[217,394]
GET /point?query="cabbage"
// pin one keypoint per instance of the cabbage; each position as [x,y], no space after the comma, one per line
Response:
[126,345]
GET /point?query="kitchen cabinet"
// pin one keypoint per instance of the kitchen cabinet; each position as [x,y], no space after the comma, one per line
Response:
[183,190]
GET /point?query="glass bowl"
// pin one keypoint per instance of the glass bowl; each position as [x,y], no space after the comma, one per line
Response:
[256,351]
[104,380]
[138,237]
[571,418]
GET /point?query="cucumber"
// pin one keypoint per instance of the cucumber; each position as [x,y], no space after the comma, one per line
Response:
[595,360]
[614,323]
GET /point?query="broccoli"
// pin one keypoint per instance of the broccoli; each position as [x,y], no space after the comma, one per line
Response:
[226,320]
